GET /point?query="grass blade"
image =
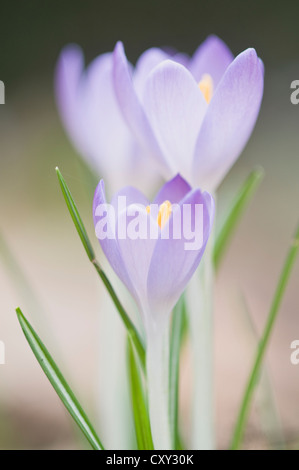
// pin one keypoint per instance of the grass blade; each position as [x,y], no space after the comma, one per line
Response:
[140,410]
[178,327]
[59,383]
[133,333]
[75,216]
[267,408]
[261,350]
[238,207]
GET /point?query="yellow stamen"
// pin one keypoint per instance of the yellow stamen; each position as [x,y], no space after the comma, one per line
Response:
[148,209]
[206,87]
[164,214]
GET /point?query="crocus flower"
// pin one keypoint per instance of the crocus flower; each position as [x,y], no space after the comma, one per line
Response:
[154,248]
[152,256]
[92,118]
[188,115]
[193,115]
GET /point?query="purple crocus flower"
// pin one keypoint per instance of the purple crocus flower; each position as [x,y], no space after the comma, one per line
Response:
[194,115]
[190,115]
[149,245]
[155,249]
[93,120]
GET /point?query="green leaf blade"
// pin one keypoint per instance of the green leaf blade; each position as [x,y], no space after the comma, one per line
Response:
[262,347]
[266,404]
[58,382]
[239,205]
[140,410]
[75,216]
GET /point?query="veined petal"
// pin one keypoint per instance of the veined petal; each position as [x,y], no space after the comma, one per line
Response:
[136,247]
[172,265]
[173,191]
[132,110]
[212,57]
[110,246]
[229,120]
[128,195]
[111,146]
[146,62]
[70,96]
[181,58]
[175,108]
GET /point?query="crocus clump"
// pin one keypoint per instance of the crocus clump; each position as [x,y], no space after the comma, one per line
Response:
[169,114]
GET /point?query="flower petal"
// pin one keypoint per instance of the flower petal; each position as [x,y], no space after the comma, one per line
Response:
[133,111]
[173,191]
[69,94]
[229,120]
[110,246]
[111,155]
[146,62]
[175,108]
[172,265]
[128,195]
[117,155]
[212,57]
[136,248]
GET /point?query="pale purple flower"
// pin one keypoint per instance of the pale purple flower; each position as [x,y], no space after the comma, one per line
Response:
[194,115]
[188,115]
[93,120]
[155,270]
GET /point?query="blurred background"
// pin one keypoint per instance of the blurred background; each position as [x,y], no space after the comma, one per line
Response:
[38,233]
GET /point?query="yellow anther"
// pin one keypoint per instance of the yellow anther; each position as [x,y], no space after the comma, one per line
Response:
[206,87]
[148,209]
[164,213]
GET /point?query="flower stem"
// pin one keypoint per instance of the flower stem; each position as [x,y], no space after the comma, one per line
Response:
[200,309]
[178,329]
[157,368]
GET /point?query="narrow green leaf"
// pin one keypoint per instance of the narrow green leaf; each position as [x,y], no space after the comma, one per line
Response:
[59,383]
[238,207]
[262,347]
[267,408]
[140,410]
[75,216]
[133,333]
[178,328]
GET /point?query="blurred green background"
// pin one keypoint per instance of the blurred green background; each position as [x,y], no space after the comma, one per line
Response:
[38,230]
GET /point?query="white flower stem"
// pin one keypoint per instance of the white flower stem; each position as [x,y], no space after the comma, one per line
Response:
[200,309]
[157,368]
